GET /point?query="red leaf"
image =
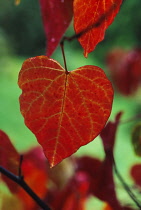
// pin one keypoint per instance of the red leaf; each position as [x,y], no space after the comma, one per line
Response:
[56,16]
[64,111]
[91,167]
[96,16]
[9,159]
[100,178]
[125,68]
[106,183]
[37,180]
[136,174]
[108,134]
[106,187]
[73,196]
[36,155]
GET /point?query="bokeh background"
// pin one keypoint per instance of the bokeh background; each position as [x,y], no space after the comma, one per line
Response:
[22,36]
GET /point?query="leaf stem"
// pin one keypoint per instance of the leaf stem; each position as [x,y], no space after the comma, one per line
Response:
[20,181]
[126,187]
[64,57]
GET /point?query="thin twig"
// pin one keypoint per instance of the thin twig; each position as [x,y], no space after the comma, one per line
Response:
[126,187]
[23,184]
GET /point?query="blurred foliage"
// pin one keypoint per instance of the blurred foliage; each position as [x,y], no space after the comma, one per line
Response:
[136,139]
[21,33]
[23,25]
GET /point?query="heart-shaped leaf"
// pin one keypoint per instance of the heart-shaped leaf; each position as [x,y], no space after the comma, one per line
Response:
[63,110]
[93,18]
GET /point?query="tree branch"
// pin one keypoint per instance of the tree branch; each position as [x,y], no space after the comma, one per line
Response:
[20,181]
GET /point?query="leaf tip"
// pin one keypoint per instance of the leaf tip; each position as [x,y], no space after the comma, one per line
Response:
[85,54]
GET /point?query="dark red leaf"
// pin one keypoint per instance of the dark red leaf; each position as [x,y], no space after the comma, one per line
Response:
[56,16]
[9,159]
[100,178]
[125,68]
[91,167]
[108,134]
[106,186]
[64,110]
[136,174]
[73,195]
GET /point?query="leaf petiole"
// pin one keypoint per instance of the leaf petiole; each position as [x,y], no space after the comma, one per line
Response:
[63,54]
